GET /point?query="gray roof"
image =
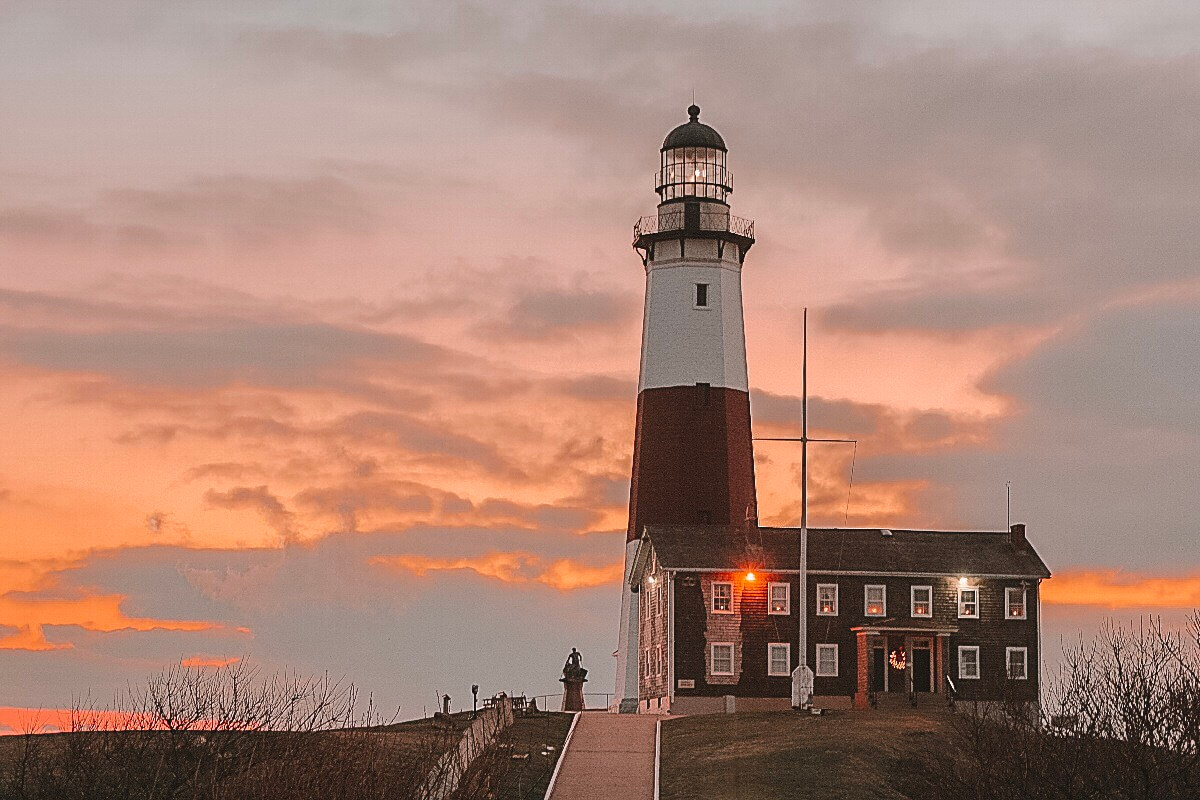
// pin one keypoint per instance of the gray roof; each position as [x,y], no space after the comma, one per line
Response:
[709,547]
[693,133]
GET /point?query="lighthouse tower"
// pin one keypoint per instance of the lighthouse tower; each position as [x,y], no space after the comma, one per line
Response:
[692,455]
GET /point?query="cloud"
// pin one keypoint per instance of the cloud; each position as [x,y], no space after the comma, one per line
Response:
[252,210]
[271,354]
[1112,588]
[209,661]
[1136,367]
[563,574]
[554,314]
[31,614]
[259,499]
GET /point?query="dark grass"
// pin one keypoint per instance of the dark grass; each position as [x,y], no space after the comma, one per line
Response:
[520,766]
[761,756]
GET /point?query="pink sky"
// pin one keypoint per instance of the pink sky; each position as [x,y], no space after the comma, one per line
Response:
[319,324]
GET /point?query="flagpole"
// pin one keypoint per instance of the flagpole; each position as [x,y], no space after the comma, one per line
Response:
[802,666]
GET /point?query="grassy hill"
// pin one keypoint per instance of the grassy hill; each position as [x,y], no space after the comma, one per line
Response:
[761,756]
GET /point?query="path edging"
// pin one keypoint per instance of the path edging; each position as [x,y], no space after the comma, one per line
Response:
[563,754]
[657,754]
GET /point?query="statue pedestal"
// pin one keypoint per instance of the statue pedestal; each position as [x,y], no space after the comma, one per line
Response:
[572,693]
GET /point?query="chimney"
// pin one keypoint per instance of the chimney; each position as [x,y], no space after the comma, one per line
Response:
[1017,532]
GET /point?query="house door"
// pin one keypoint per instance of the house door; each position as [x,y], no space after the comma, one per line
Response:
[922,666]
[879,667]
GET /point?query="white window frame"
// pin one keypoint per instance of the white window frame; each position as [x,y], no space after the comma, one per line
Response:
[912,602]
[833,674]
[712,659]
[1024,651]
[867,603]
[713,605]
[1008,603]
[787,651]
[978,669]
[961,590]
[833,613]
[658,660]
[787,597]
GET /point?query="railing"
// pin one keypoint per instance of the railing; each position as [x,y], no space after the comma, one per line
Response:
[553,702]
[709,221]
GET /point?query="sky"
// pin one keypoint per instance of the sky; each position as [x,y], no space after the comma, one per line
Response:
[319,322]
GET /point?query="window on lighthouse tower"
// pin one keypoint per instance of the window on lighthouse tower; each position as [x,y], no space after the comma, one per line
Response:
[701,295]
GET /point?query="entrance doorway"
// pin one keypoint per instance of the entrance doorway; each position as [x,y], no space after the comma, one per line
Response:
[922,668]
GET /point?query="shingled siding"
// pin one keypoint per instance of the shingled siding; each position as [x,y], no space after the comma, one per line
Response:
[652,635]
[749,628]
[992,633]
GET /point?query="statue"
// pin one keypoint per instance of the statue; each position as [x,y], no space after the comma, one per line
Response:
[573,678]
[574,666]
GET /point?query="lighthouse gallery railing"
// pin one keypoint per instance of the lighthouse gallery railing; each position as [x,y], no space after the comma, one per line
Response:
[709,221]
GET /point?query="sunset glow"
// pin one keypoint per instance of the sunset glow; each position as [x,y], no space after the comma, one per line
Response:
[320,325]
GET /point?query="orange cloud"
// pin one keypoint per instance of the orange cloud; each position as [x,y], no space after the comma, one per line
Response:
[208,661]
[562,574]
[1117,589]
[99,613]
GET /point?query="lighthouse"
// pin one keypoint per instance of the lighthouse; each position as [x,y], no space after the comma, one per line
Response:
[693,461]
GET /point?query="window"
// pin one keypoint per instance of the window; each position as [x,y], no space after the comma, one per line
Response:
[781,598]
[827,599]
[968,602]
[875,601]
[1014,602]
[922,601]
[646,672]
[658,660]
[779,658]
[722,598]
[722,659]
[1017,659]
[827,660]
[701,295]
[968,663]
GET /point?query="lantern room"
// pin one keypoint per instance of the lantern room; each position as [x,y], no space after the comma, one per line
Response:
[693,163]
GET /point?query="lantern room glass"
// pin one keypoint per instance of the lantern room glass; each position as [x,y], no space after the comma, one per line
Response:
[694,172]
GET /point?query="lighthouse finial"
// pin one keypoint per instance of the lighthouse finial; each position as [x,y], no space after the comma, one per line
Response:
[694,112]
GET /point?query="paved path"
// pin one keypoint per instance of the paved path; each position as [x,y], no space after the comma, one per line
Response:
[609,756]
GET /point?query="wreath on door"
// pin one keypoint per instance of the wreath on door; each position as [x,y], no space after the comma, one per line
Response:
[898,658]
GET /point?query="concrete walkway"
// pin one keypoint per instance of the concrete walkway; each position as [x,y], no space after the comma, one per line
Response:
[609,756]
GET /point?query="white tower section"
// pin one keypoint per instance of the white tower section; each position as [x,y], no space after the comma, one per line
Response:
[693,331]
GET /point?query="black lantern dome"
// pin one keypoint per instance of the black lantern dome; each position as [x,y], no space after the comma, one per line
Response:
[693,163]
[694,133]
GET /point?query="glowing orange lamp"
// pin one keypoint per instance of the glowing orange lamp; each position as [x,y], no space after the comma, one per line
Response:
[749,576]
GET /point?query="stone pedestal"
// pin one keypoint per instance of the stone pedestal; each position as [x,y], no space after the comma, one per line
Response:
[572,693]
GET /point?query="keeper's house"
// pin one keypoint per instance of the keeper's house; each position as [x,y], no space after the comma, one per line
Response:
[896,613]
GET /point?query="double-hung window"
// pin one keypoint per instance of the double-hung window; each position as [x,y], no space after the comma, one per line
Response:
[922,601]
[968,662]
[779,658]
[722,598]
[780,596]
[1017,659]
[827,599]
[968,602]
[722,658]
[875,600]
[1014,602]
[827,660]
